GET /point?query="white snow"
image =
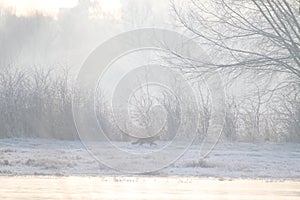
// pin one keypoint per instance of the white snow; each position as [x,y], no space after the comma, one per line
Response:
[21,156]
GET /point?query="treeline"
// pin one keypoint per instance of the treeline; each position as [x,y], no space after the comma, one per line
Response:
[35,103]
[38,103]
[254,119]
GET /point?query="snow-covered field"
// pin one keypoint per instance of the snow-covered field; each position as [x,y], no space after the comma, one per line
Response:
[227,160]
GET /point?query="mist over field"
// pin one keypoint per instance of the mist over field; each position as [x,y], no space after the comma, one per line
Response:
[149,99]
[147,88]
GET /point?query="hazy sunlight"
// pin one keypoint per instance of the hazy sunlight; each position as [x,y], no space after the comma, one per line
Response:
[51,8]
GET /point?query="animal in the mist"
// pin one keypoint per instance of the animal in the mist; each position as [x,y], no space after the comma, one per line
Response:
[149,140]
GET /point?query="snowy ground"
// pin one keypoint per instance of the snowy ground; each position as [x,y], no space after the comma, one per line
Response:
[227,160]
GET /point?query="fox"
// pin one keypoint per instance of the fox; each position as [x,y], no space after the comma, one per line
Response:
[149,140]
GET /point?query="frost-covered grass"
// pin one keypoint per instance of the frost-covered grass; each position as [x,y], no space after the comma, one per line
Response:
[227,160]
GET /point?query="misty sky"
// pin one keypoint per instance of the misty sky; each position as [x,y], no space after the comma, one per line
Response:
[64,32]
[28,7]
[52,8]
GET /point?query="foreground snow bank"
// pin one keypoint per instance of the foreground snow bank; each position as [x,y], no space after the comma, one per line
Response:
[227,160]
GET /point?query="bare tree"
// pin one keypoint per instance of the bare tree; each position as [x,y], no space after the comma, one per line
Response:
[35,104]
[13,90]
[171,104]
[255,38]
[132,9]
[287,114]
[231,119]
[142,115]
[205,111]
[257,35]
